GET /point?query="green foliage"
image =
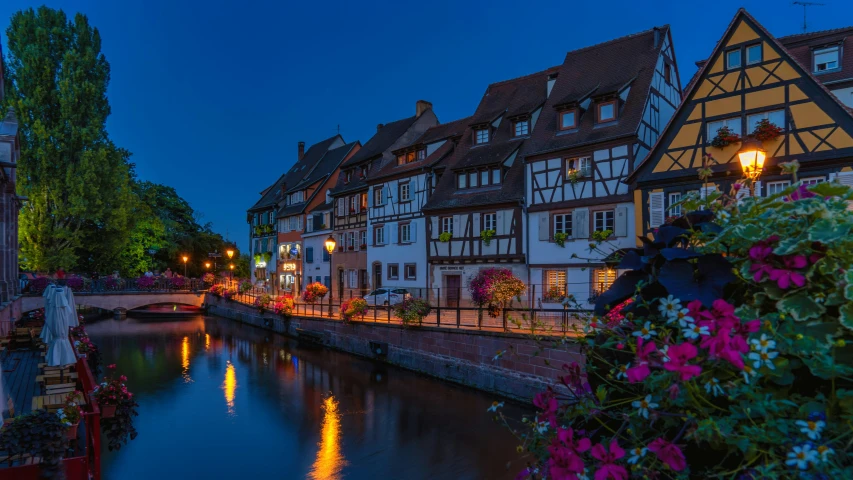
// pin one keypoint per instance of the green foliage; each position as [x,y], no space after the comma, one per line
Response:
[601,235]
[445,237]
[486,236]
[40,434]
[412,310]
[560,239]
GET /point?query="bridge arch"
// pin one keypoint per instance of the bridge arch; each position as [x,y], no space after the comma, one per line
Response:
[122,300]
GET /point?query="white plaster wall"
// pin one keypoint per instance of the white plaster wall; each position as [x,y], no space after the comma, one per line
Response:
[316,240]
[401,254]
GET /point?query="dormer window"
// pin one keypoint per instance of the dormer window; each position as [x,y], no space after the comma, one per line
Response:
[733,59]
[826,59]
[401,159]
[753,54]
[569,119]
[521,128]
[348,176]
[481,135]
[479,178]
[363,172]
[607,111]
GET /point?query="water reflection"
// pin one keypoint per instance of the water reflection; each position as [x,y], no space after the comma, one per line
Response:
[229,386]
[330,461]
[381,423]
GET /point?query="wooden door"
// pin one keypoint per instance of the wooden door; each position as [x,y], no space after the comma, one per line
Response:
[453,286]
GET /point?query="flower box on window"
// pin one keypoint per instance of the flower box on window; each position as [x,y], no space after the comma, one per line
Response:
[351,248]
[766,131]
[363,246]
[725,137]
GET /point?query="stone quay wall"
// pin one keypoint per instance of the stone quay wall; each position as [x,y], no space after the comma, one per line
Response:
[465,357]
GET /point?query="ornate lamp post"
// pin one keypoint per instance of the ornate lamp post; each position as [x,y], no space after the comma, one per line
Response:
[330,247]
[185,258]
[231,278]
[752,157]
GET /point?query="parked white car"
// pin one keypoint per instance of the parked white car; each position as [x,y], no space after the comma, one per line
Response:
[386,296]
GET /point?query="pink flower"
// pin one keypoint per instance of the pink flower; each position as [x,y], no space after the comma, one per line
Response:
[638,374]
[566,461]
[546,402]
[802,192]
[673,390]
[641,371]
[111,366]
[726,347]
[668,453]
[608,468]
[679,355]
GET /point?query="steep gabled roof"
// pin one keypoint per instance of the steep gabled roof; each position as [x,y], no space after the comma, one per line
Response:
[382,140]
[298,171]
[321,171]
[605,68]
[443,132]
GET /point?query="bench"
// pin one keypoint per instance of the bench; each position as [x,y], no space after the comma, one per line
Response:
[52,378]
[60,388]
[52,402]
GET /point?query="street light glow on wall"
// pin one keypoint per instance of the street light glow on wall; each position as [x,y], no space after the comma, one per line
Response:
[752,156]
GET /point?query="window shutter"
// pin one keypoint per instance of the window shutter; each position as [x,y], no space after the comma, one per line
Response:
[656,210]
[385,237]
[844,178]
[705,191]
[412,189]
[309,255]
[544,226]
[413,237]
[620,224]
[580,223]
[325,254]
[499,219]
[328,282]
[476,219]
[757,189]
[395,233]
[433,227]
[457,232]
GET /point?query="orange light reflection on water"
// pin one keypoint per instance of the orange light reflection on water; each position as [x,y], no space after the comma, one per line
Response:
[185,360]
[206,341]
[330,461]
[229,386]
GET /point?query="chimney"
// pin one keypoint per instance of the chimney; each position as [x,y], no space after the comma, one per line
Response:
[379,127]
[422,106]
[657,37]
[301,151]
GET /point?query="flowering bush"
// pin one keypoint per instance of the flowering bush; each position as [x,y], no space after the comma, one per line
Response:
[712,374]
[283,305]
[412,310]
[36,315]
[554,294]
[486,236]
[71,413]
[314,292]
[766,130]
[75,283]
[83,345]
[145,283]
[217,289]
[245,286]
[495,288]
[38,284]
[209,278]
[354,307]
[178,282]
[112,283]
[262,301]
[229,293]
[725,137]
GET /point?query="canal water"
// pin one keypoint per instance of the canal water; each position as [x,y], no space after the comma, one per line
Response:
[218,399]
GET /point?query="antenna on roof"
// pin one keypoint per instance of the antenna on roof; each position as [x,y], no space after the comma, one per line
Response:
[805,5]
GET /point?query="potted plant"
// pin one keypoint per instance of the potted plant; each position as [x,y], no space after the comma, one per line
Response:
[766,131]
[261,302]
[75,283]
[111,393]
[208,278]
[118,408]
[725,137]
[351,247]
[229,293]
[283,306]
[412,311]
[37,285]
[217,289]
[145,283]
[363,246]
[245,286]
[39,434]
[486,236]
[560,239]
[354,307]
[71,414]
[314,292]
[445,237]
[574,175]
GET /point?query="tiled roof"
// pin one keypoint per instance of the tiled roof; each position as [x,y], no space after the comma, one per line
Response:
[512,97]
[326,166]
[444,131]
[299,169]
[382,140]
[808,36]
[596,70]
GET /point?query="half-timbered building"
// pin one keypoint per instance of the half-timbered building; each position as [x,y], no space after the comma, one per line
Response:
[475,216]
[397,195]
[607,106]
[351,230]
[749,77]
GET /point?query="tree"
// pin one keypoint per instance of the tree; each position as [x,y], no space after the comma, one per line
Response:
[77,181]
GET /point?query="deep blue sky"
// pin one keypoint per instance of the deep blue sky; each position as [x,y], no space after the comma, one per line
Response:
[212,96]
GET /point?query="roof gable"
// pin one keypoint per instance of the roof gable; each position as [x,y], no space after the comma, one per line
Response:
[817,126]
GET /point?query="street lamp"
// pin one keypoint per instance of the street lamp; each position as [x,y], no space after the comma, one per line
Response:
[230,253]
[231,266]
[207,265]
[185,258]
[330,247]
[752,156]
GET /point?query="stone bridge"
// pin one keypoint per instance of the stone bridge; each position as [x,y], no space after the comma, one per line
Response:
[122,301]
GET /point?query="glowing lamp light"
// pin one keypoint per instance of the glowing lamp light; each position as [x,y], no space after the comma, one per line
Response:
[752,158]
[330,244]
[230,253]
[206,264]
[231,266]
[185,258]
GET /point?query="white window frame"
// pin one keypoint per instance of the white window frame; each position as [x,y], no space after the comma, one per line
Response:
[405,193]
[813,180]
[363,236]
[446,224]
[775,187]
[481,136]
[379,233]
[555,278]
[490,221]
[522,128]
[824,51]
[674,211]
[406,233]
[751,48]
[734,124]
[565,222]
[729,65]
[778,120]
[603,220]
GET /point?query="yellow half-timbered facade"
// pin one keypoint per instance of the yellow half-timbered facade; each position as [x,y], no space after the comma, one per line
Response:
[749,77]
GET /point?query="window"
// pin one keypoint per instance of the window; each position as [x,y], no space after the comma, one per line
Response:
[490,221]
[255,219]
[353,204]
[582,165]
[404,192]
[363,236]
[393,271]
[732,123]
[733,59]
[406,233]
[294,223]
[496,176]
[753,54]
[603,220]
[363,198]
[351,241]
[411,270]
[348,176]
[826,59]
[379,235]
[521,128]
[607,111]
[401,159]
[472,180]
[481,136]
[602,279]
[410,157]
[446,225]
[353,278]
[776,117]
[568,119]
[776,187]
[563,223]
[813,180]
[555,285]
[462,180]
[421,154]
[341,245]
[484,177]
[667,73]
[309,254]
[342,207]
[674,210]
[378,198]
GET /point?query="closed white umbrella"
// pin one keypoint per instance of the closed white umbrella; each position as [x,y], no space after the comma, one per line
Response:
[49,311]
[59,350]
[69,297]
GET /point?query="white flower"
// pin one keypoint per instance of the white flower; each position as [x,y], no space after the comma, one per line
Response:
[811,428]
[664,352]
[495,406]
[801,456]
[713,386]
[683,318]
[498,355]
[763,344]
[542,427]
[636,455]
[824,452]
[763,358]
[623,371]
[647,331]
[644,405]
[747,372]
[669,304]
[694,331]
[584,475]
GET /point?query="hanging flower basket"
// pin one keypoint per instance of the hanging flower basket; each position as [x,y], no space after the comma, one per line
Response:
[766,131]
[725,137]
